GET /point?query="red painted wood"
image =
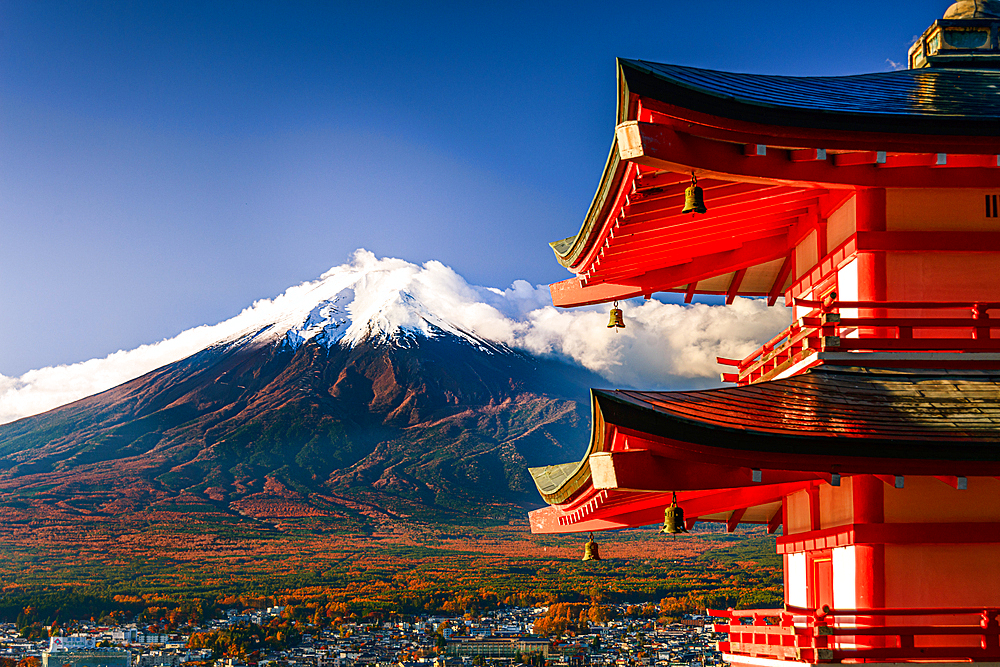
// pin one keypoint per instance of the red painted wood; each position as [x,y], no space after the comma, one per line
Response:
[927,242]
[734,519]
[734,286]
[779,280]
[666,148]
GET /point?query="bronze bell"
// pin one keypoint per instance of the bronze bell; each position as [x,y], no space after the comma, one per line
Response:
[616,322]
[694,197]
[590,549]
[673,518]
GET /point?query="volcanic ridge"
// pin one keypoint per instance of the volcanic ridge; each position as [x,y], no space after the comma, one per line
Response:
[347,400]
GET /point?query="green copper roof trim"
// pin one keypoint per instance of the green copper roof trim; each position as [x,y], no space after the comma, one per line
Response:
[569,250]
[558,483]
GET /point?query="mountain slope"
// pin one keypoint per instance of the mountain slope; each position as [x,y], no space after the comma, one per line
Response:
[424,422]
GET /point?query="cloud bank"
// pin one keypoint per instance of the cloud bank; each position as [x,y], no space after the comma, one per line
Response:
[663,345]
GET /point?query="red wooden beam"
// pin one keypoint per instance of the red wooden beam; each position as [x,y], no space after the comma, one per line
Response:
[779,280]
[671,200]
[928,241]
[775,523]
[666,180]
[644,470]
[734,286]
[814,429]
[892,533]
[734,519]
[669,258]
[916,160]
[571,293]
[689,294]
[758,251]
[663,147]
[861,157]
[631,256]
[722,202]
[807,154]
[638,242]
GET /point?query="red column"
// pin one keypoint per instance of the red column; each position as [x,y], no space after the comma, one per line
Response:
[867,492]
[871,265]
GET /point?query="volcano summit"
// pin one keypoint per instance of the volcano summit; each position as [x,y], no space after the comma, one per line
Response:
[346,396]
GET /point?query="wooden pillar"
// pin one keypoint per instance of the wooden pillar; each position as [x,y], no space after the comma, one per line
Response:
[871,217]
[869,508]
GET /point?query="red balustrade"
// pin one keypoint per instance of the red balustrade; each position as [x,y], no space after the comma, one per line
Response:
[861,635]
[872,328]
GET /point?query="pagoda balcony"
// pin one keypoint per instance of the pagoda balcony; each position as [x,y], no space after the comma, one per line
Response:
[882,329]
[765,636]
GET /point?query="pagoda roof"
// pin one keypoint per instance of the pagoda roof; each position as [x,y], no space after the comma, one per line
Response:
[775,155]
[902,101]
[790,433]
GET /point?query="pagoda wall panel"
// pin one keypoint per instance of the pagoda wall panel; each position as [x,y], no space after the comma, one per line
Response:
[806,253]
[928,500]
[946,276]
[842,223]
[799,513]
[938,209]
[836,506]
[941,575]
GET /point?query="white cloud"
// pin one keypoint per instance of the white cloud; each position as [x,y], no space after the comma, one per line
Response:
[662,345]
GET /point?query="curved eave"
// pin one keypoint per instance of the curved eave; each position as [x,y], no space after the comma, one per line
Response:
[558,483]
[720,123]
[571,250]
[932,102]
[856,420]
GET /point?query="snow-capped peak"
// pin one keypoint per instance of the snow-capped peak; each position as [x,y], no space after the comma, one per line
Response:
[384,300]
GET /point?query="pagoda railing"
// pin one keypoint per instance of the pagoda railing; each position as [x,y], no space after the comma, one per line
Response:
[862,635]
[871,326]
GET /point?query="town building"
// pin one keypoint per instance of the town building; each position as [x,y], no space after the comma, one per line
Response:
[498,647]
[82,652]
[869,430]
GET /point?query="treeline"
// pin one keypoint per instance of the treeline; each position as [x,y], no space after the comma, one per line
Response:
[41,613]
[378,583]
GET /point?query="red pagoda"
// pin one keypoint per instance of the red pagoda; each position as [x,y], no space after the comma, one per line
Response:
[869,430]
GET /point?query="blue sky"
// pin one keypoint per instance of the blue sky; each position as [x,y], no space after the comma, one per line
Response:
[163,165]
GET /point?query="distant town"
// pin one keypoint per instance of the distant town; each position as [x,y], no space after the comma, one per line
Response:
[505,637]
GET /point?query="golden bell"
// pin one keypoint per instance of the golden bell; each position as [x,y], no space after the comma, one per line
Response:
[694,198]
[616,322]
[590,549]
[673,518]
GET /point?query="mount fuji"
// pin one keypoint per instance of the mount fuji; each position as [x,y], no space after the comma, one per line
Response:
[365,395]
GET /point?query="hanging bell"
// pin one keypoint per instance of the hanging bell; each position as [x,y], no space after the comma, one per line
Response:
[673,518]
[694,197]
[616,322]
[590,549]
